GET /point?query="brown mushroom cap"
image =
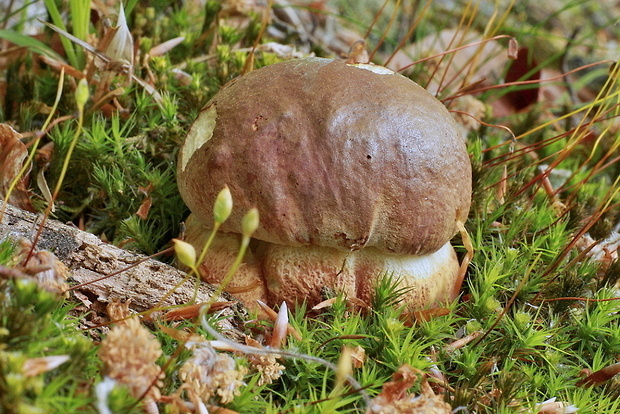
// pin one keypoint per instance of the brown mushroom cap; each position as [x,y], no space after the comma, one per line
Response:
[332,154]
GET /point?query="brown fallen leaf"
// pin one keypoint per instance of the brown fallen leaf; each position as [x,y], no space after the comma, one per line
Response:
[193,311]
[414,317]
[324,304]
[13,153]
[145,207]
[394,397]
[358,356]
[181,335]
[352,302]
[402,380]
[600,376]
[523,68]
[117,46]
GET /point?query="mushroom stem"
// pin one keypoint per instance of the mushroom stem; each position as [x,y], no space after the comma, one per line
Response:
[280,273]
[302,272]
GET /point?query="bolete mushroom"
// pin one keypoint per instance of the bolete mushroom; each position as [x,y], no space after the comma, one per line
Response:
[356,171]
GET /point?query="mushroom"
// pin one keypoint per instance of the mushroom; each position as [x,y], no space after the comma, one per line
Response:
[356,171]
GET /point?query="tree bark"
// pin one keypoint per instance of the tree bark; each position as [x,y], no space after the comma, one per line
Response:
[101,273]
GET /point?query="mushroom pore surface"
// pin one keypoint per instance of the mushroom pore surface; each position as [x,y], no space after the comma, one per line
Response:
[333,155]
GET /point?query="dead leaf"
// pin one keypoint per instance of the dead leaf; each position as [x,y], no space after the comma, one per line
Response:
[468,113]
[13,153]
[117,46]
[552,91]
[424,315]
[394,397]
[184,78]
[62,66]
[476,63]
[324,304]
[523,68]
[193,311]
[402,380]
[358,356]
[122,65]
[280,50]
[145,207]
[437,380]
[513,48]
[600,376]
[181,335]
[352,302]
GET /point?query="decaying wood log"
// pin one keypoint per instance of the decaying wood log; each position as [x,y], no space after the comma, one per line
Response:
[106,273]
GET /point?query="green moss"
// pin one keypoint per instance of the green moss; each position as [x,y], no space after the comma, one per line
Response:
[35,323]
